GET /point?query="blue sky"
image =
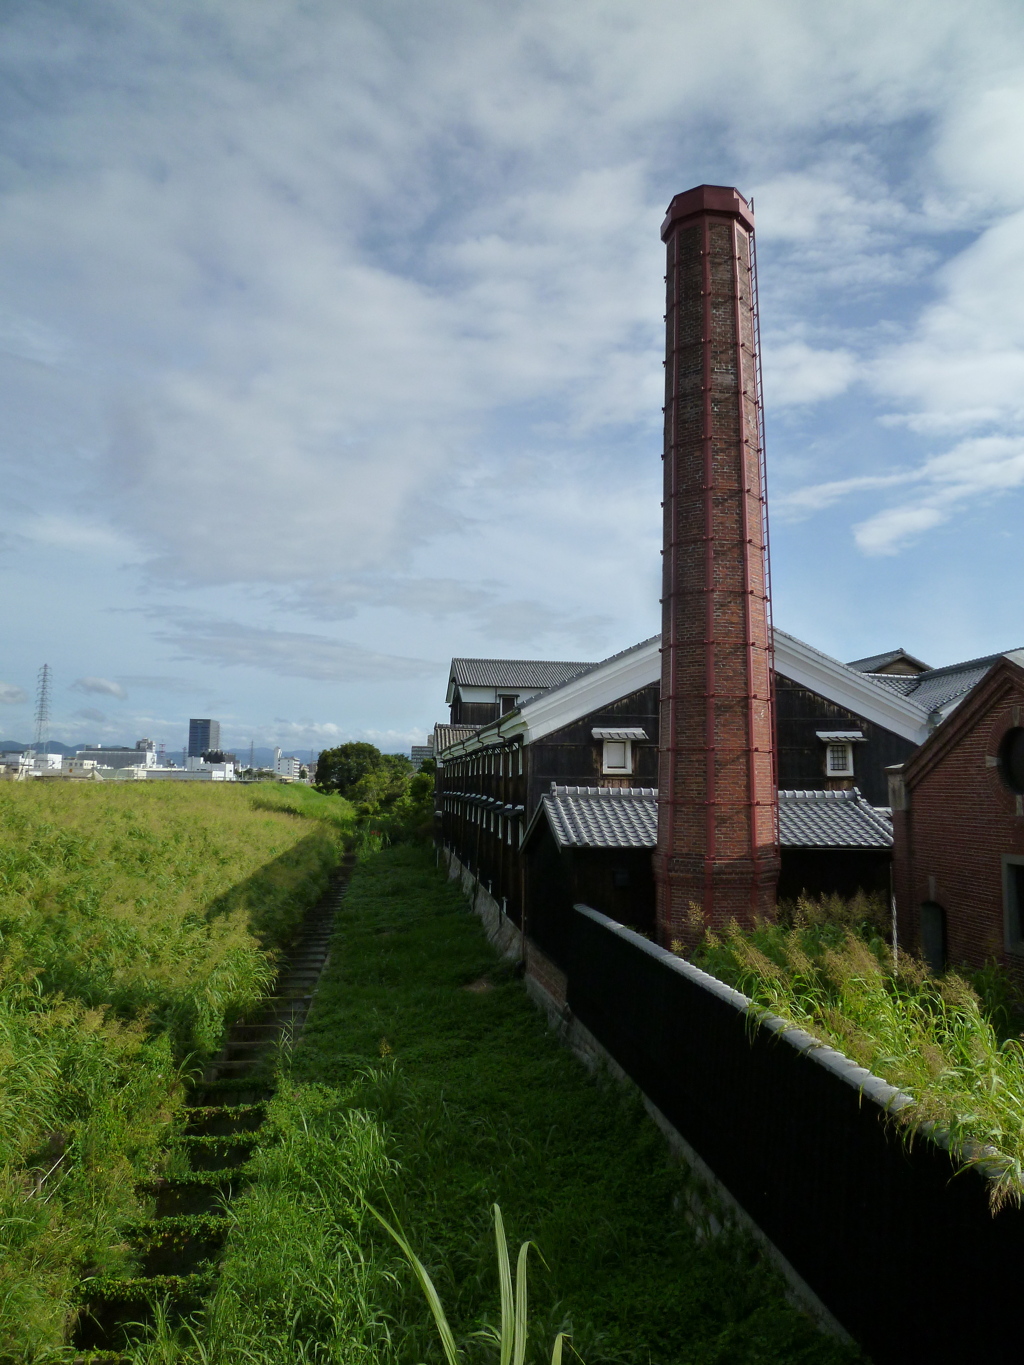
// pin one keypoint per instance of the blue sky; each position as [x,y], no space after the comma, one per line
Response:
[331,339]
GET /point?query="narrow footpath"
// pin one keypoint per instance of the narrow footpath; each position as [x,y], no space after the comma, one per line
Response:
[179,1246]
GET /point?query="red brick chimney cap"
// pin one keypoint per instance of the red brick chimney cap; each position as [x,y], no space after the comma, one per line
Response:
[718,199]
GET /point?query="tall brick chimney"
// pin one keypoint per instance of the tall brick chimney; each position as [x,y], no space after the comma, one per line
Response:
[718,805]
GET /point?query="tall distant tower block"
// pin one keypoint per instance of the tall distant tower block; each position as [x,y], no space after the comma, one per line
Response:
[718,805]
[203,737]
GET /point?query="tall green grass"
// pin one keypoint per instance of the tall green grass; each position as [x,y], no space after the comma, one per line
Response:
[830,972]
[133,921]
[434,1102]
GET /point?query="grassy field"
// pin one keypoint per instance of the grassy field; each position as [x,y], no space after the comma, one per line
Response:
[428,1085]
[133,919]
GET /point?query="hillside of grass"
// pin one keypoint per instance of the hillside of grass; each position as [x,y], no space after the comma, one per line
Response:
[134,919]
[427,1085]
[950,1042]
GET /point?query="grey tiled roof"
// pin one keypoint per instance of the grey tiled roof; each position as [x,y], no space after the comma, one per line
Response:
[876,661]
[517,673]
[903,683]
[937,687]
[447,735]
[820,819]
[603,817]
[627,817]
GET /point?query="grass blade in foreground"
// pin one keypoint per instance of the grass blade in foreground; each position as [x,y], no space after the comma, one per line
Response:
[427,1285]
[514,1324]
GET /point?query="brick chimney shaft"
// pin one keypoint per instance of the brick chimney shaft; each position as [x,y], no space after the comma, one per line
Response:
[718,805]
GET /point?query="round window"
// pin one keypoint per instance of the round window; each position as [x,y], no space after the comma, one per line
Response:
[1011,759]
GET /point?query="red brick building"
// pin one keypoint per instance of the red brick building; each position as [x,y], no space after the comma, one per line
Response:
[958,829]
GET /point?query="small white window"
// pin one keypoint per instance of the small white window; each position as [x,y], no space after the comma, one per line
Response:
[839,760]
[617,756]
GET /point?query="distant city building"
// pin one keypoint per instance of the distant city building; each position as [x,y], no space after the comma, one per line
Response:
[288,768]
[197,771]
[421,752]
[79,767]
[203,737]
[119,756]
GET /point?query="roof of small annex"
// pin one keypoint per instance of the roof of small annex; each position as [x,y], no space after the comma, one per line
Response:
[893,656]
[517,673]
[832,819]
[600,817]
[938,688]
[627,817]
[446,735]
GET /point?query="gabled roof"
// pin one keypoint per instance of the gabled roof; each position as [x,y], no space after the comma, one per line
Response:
[521,674]
[593,688]
[905,704]
[826,819]
[600,817]
[893,656]
[447,735]
[1005,675]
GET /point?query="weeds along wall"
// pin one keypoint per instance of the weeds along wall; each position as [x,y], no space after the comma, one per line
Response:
[133,921]
[901,1249]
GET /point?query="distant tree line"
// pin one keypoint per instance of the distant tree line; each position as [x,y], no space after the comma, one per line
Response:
[383,787]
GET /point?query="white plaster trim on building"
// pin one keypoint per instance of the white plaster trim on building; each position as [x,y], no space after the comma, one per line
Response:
[484,694]
[601,687]
[803,664]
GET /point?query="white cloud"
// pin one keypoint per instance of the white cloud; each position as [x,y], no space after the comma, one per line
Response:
[970,470]
[892,530]
[796,373]
[90,713]
[10,695]
[289,654]
[963,365]
[101,686]
[59,532]
[817,497]
[294,736]
[977,150]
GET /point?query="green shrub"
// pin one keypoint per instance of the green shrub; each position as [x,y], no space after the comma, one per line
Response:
[929,1036]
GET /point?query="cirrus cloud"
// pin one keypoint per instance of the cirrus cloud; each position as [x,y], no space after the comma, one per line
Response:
[104,687]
